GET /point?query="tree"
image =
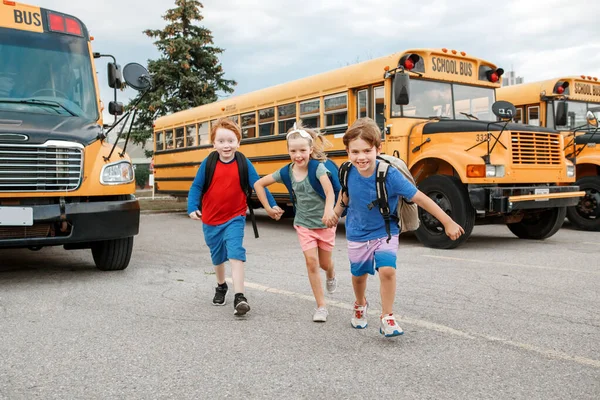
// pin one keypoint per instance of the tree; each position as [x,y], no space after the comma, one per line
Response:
[188,72]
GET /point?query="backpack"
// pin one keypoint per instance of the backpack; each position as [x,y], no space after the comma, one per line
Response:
[407,213]
[242,163]
[332,167]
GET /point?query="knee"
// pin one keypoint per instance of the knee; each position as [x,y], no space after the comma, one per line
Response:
[312,264]
[387,273]
[325,266]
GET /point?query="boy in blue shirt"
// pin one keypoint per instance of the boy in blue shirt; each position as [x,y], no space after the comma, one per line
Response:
[368,246]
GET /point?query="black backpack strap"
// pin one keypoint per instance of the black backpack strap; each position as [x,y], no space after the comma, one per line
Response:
[382,196]
[209,171]
[343,175]
[242,164]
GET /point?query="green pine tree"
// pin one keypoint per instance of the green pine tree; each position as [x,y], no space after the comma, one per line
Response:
[188,72]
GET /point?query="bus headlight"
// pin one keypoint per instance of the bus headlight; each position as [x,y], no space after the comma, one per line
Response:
[485,171]
[570,171]
[117,173]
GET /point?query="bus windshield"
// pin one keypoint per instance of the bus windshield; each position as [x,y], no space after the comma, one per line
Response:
[439,99]
[576,114]
[46,73]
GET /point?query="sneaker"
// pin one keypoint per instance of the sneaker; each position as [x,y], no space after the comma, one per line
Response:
[389,326]
[331,285]
[240,305]
[359,320]
[320,314]
[220,292]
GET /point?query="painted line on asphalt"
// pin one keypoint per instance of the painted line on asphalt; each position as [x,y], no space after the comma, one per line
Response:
[438,327]
[510,264]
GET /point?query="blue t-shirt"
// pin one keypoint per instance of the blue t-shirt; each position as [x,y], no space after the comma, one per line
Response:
[363,224]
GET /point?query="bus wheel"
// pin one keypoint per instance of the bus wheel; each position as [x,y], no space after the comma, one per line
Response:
[586,214]
[451,196]
[112,255]
[539,224]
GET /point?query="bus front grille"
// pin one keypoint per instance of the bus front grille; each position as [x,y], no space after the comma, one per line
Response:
[55,166]
[535,148]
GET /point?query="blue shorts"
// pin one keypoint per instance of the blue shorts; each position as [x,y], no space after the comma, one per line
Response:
[225,241]
[367,256]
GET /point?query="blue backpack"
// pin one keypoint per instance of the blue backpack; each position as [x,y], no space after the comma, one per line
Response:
[332,167]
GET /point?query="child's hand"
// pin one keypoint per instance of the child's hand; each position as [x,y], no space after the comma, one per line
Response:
[329,218]
[275,212]
[197,215]
[453,230]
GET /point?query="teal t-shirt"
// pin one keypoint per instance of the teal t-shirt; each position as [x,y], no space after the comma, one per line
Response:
[309,205]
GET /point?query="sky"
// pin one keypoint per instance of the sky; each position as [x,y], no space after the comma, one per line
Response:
[270,42]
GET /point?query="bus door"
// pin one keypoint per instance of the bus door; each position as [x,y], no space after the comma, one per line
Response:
[370,103]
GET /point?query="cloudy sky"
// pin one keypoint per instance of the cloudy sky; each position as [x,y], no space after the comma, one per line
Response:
[269,42]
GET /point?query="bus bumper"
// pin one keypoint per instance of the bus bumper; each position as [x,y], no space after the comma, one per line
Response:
[75,224]
[508,199]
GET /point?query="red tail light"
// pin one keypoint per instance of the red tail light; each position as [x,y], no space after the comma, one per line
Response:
[560,90]
[408,64]
[60,23]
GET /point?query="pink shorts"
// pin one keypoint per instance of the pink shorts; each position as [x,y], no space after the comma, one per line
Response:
[311,238]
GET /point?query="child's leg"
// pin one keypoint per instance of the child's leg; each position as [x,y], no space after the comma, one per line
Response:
[326,263]
[359,284]
[220,273]
[387,277]
[326,242]
[314,275]
[237,275]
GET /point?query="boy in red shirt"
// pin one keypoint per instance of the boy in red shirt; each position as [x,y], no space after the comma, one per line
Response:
[224,212]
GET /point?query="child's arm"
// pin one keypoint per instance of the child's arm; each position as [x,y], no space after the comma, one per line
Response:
[261,193]
[337,210]
[328,213]
[253,178]
[195,193]
[453,230]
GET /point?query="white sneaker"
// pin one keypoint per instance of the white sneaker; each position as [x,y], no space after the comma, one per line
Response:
[331,285]
[359,320]
[320,314]
[389,326]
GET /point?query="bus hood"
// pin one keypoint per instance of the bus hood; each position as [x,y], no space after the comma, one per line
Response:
[28,128]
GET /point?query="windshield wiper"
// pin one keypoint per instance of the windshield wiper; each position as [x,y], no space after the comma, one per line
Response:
[470,116]
[49,103]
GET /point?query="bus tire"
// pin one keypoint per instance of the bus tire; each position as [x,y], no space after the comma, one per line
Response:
[586,214]
[539,224]
[451,195]
[112,255]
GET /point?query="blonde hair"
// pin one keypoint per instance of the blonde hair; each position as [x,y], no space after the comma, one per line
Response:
[317,142]
[225,123]
[365,129]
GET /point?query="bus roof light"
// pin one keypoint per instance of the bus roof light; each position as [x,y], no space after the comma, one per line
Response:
[408,64]
[560,90]
[595,78]
[582,76]
[56,22]
[9,3]
[73,27]
[494,75]
[590,78]
[462,53]
[561,87]
[454,52]
[445,50]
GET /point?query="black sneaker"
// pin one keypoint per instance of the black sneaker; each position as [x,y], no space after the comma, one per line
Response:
[240,305]
[220,292]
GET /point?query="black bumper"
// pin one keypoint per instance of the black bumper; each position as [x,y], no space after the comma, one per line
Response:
[506,199]
[87,221]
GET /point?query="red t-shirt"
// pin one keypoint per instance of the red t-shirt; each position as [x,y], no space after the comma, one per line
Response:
[224,199]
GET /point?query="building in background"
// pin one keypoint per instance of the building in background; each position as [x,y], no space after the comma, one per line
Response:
[511,78]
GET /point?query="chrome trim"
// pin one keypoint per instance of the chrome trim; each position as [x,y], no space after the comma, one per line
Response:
[14,136]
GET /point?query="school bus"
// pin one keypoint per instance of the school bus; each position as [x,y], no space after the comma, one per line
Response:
[61,182]
[562,104]
[472,166]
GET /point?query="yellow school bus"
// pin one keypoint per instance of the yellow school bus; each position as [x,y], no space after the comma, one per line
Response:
[440,122]
[61,182]
[562,104]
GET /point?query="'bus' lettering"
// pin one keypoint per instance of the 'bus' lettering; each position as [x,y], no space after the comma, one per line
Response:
[451,66]
[27,18]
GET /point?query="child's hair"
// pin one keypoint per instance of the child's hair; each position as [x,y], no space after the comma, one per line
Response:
[317,141]
[365,129]
[225,123]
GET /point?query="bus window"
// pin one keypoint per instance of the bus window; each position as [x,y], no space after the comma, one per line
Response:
[378,107]
[160,144]
[362,102]
[474,101]
[310,113]
[179,138]
[427,99]
[169,139]
[235,118]
[249,125]
[533,115]
[266,122]
[190,138]
[336,110]
[203,133]
[287,117]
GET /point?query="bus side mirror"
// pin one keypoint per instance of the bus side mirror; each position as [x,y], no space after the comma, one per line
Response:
[591,119]
[562,109]
[401,88]
[137,77]
[115,78]
[115,108]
